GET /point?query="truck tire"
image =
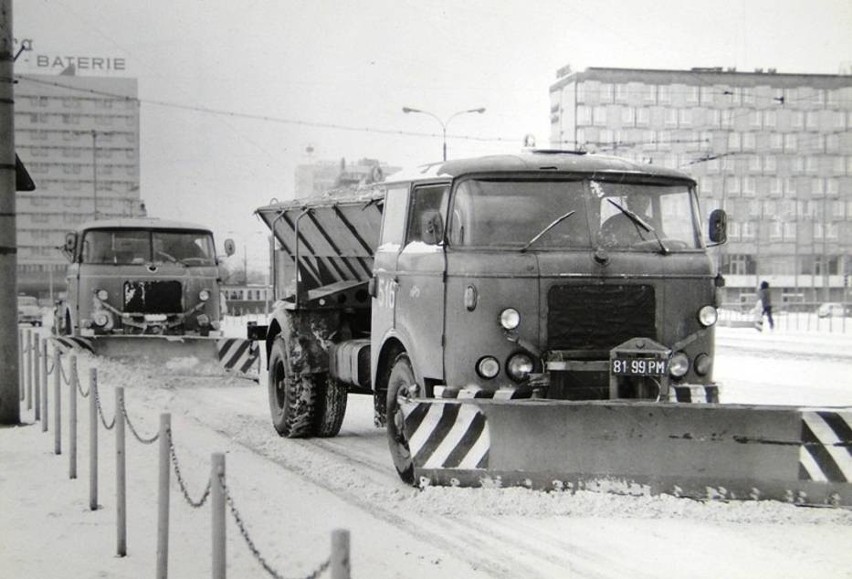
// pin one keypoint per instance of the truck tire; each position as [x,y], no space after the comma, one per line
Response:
[292,399]
[400,379]
[330,407]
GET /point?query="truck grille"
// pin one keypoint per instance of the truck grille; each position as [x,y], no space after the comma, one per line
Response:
[153,297]
[599,317]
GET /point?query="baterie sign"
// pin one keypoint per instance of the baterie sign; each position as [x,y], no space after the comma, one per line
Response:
[80,62]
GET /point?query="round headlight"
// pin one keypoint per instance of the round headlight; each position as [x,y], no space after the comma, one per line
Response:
[519,366]
[703,364]
[100,319]
[102,294]
[488,367]
[204,295]
[708,316]
[510,318]
[679,365]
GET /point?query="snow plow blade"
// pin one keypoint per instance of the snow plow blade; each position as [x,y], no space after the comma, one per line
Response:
[195,355]
[701,451]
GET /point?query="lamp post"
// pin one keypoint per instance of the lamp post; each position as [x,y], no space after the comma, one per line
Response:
[444,124]
[95,133]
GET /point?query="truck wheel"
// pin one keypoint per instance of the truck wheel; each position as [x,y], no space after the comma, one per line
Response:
[331,406]
[400,380]
[291,399]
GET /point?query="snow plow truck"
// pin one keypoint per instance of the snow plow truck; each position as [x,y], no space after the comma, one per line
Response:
[543,319]
[148,289]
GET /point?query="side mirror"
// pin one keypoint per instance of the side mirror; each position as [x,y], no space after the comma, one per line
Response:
[432,227]
[230,247]
[718,226]
[70,247]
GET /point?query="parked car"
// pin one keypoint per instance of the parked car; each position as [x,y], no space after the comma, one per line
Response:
[834,310]
[29,311]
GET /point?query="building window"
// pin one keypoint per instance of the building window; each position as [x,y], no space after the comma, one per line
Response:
[643,117]
[621,93]
[770,119]
[628,116]
[606,93]
[748,230]
[651,93]
[671,117]
[790,230]
[770,164]
[790,142]
[714,118]
[749,141]
[776,141]
[749,186]
[685,117]
[812,120]
[706,93]
[747,96]
[692,95]
[584,115]
[775,187]
[776,231]
[734,142]
[599,116]
[798,119]
[732,185]
[664,94]
[755,119]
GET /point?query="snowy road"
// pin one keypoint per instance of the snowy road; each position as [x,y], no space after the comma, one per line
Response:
[292,493]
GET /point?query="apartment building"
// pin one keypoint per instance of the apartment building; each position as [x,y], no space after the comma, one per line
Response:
[773,149]
[79,139]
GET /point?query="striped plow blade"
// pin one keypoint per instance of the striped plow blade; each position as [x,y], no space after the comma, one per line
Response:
[447,436]
[69,343]
[237,354]
[826,451]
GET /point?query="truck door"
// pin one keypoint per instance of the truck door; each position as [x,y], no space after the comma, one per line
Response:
[385,263]
[420,268]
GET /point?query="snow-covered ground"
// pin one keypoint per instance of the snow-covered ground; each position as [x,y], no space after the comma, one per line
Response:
[291,495]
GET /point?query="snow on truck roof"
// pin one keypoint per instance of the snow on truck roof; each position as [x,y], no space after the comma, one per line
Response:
[140,223]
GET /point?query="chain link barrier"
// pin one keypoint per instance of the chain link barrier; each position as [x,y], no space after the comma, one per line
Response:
[101,412]
[133,430]
[67,377]
[205,495]
[252,547]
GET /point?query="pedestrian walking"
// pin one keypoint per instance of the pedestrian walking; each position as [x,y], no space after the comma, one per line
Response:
[766,301]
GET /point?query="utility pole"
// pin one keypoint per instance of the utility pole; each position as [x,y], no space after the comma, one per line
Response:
[10,406]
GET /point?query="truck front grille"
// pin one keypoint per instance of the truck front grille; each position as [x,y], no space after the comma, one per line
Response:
[153,297]
[599,317]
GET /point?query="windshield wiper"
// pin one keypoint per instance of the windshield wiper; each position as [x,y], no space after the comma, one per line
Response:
[555,222]
[643,224]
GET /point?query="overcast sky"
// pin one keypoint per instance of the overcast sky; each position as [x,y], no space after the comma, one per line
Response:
[234,93]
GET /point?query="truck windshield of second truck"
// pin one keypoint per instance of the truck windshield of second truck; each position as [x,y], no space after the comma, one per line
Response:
[546,215]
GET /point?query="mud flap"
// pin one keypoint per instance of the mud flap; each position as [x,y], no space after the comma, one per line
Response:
[706,451]
[196,356]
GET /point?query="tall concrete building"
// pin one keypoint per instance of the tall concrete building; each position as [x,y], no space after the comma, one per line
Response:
[774,150]
[79,139]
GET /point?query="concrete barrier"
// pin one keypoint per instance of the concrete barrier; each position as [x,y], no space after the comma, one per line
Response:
[703,451]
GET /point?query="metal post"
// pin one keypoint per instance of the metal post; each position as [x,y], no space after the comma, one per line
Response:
[44,417]
[22,375]
[36,378]
[93,439]
[29,367]
[72,420]
[57,400]
[120,475]
[217,497]
[10,406]
[163,503]
[340,564]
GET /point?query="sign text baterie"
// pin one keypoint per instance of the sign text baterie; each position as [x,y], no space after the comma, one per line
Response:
[80,62]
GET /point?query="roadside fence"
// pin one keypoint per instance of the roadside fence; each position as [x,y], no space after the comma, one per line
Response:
[35,372]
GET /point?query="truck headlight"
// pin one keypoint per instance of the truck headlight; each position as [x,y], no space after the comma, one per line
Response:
[203,320]
[510,318]
[519,366]
[102,294]
[204,295]
[679,365]
[703,364]
[488,367]
[707,316]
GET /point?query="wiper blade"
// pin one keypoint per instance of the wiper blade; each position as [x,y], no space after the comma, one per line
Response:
[643,224]
[555,222]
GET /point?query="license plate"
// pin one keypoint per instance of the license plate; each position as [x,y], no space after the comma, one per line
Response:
[630,366]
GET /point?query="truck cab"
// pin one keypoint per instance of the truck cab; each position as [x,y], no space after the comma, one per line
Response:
[549,274]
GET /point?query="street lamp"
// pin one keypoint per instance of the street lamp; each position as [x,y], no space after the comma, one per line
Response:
[94,133]
[444,124]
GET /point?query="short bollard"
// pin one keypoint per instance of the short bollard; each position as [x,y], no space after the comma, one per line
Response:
[36,359]
[120,475]
[93,439]
[340,566]
[57,401]
[22,383]
[29,370]
[217,498]
[72,419]
[163,502]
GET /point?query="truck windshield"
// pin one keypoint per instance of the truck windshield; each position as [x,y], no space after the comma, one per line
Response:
[138,246]
[580,214]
